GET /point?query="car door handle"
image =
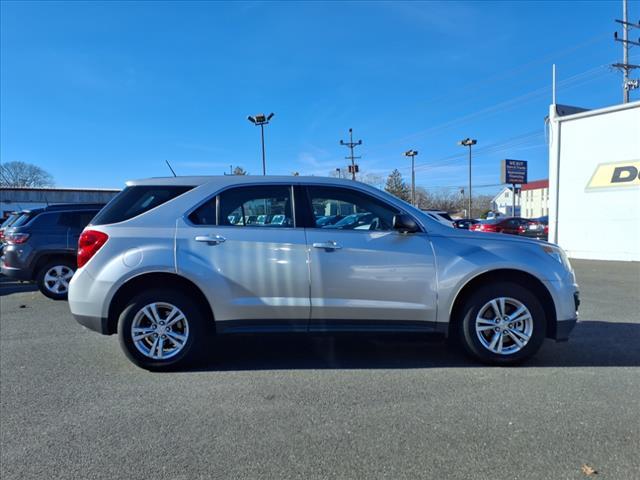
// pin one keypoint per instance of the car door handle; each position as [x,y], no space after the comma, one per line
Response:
[330,245]
[211,239]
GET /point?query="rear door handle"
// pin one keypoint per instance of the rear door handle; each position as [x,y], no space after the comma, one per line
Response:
[211,239]
[330,245]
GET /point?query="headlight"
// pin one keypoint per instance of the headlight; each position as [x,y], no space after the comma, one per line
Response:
[558,254]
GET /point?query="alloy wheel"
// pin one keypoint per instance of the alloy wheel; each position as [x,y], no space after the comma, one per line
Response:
[57,278]
[159,330]
[504,325]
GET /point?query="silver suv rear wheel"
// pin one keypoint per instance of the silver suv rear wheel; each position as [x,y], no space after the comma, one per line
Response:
[160,330]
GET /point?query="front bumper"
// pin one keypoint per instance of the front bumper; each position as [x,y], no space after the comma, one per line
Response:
[563,329]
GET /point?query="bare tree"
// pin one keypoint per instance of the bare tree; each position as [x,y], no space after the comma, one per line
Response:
[21,174]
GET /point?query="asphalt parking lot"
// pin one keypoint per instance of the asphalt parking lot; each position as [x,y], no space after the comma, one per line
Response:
[281,407]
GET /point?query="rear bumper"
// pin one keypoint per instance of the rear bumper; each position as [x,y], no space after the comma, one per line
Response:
[97,324]
[16,273]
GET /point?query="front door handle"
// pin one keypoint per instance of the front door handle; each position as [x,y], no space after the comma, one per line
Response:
[330,245]
[211,239]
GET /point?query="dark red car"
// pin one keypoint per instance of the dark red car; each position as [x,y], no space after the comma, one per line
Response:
[511,225]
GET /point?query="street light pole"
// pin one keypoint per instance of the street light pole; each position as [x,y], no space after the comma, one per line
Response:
[412,154]
[261,120]
[469,142]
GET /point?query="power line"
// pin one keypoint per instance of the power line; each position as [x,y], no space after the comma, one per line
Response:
[582,77]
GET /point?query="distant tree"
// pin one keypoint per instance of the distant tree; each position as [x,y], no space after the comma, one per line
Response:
[240,171]
[371,179]
[21,174]
[295,174]
[396,186]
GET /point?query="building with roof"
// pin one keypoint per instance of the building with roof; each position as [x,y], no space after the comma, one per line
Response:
[503,202]
[594,178]
[27,198]
[534,199]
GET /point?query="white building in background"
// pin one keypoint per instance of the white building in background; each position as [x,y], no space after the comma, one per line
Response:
[503,202]
[594,181]
[534,199]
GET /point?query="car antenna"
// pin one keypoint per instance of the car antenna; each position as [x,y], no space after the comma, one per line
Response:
[169,165]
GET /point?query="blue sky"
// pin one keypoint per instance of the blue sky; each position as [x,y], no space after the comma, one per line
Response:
[98,93]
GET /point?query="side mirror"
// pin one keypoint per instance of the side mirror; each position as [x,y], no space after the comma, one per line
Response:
[405,224]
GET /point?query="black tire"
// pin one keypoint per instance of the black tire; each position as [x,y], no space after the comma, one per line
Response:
[199,332]
[49,288]
[469,338]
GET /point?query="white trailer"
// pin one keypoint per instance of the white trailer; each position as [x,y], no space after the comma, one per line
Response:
[594,181]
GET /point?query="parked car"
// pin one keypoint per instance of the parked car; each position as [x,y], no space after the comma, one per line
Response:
[545,224]
[510,225]
[465,223]
[42,244]
[533,228]
[157,269]
[441,216]
[11,219]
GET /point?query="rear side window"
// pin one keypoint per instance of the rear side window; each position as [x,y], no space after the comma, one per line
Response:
[263,206]
[77,220]
[133,201]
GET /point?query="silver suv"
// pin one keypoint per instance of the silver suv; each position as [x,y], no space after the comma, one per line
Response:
[171,261]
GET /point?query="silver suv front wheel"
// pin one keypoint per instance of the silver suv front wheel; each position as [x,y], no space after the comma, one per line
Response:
[502,323]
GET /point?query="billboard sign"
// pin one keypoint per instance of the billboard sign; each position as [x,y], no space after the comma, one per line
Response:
[513,172]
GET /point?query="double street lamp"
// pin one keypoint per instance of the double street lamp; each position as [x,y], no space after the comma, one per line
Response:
[261,120]
[412,154]
[469,142]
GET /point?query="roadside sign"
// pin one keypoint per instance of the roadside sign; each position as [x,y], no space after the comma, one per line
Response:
[513,172]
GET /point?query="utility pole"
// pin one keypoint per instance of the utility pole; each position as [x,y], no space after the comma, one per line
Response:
[627,83]
[351,144]
[412,154]
[261,120]
[469,142]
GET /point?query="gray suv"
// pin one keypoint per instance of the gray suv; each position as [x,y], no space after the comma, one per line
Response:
[41,246]
[171,261]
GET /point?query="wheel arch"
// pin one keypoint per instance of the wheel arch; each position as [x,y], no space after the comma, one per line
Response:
[47,256]
[148,281]
[520,277]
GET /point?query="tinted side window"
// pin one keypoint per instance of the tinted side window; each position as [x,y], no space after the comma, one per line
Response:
[205,214]
[133,201]
[45,220]
[77,220]
[345,209]
[264,206]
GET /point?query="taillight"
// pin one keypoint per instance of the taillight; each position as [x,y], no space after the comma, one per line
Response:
[89,243]
[17,238]
[521,229]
